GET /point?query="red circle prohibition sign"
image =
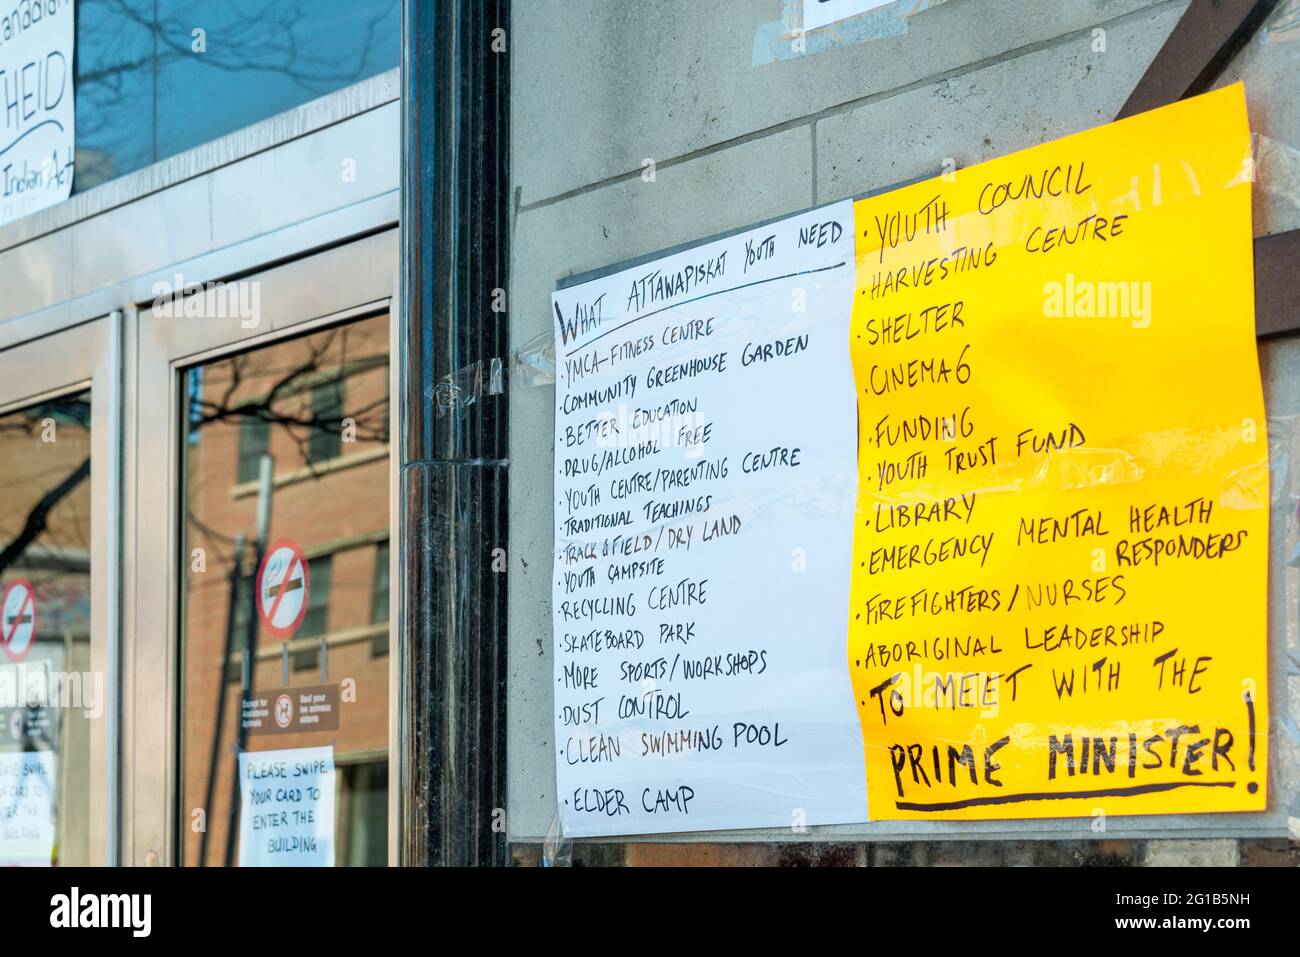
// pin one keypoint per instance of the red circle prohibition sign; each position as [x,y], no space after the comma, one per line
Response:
[24,615]
[294,560]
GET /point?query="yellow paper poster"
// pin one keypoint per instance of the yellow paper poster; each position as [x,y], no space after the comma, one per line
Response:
[1060,550]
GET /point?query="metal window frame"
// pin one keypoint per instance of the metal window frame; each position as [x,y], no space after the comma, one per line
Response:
[346,282]
[301,121]
[130,835]
[118,465]
[66,362]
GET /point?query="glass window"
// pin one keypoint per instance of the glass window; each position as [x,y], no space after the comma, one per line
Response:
[379,606]
[379,603]
[241,662]
[327,416]
[365,785]
[114,86]
[157,77]
[254,439]
[316,621]
[48,691]
[260,58]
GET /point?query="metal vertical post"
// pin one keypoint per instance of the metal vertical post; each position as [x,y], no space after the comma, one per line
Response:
[453,431]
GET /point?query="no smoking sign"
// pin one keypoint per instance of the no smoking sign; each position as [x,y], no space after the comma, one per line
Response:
[282,587]
[18,619]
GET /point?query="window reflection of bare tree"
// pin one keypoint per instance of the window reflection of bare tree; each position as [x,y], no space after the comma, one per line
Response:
[35,523]
[285,405]
[294,391]
[126,42]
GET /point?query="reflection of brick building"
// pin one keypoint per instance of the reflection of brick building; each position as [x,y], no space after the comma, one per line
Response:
[45,533]
[318,406]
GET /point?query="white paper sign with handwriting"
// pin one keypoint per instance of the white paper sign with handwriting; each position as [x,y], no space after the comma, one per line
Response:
[37,107]
[286,814]
[705,456]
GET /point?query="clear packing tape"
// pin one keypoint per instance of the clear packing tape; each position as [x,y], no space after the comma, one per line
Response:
[557,850]
[1276,169]
[530,366]
[787,38]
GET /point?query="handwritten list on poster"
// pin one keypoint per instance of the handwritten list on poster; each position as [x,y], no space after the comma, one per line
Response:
[704,495]
[991,446]
[1060,549]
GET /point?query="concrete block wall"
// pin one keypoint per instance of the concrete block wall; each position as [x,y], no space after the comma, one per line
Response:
[602,88]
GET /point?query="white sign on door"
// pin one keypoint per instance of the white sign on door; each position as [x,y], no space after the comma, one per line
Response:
[27,808]
[286,812]
[37,107]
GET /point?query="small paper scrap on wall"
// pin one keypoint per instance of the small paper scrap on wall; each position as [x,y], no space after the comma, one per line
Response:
[819,13]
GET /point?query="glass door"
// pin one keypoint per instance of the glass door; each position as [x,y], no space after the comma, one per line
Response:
[58,590]
[284,624]
[272,741]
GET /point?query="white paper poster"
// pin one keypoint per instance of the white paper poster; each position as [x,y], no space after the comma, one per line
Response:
[818,13]
[706,473]
[37,108]
[27,808]
[286,814]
